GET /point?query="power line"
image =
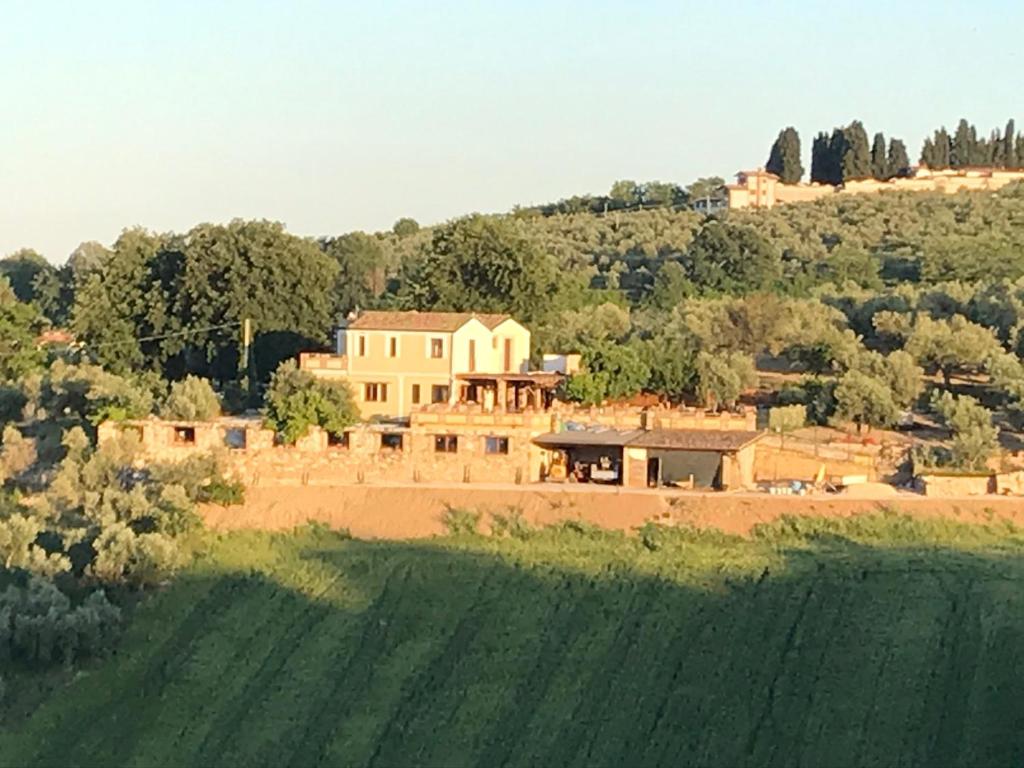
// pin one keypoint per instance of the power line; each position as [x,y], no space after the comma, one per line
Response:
[186,332]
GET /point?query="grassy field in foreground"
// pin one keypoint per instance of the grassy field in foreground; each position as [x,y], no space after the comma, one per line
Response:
[875,641]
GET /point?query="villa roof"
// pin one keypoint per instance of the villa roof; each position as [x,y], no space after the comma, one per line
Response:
[443,322]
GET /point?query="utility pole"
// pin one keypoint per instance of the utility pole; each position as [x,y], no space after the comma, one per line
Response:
[246,361]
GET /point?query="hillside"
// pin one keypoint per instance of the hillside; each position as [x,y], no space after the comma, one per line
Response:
[875,641]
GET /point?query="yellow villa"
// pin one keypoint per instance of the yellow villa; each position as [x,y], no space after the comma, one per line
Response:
[399,361]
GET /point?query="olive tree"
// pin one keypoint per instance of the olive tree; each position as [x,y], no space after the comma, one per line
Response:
[191,399]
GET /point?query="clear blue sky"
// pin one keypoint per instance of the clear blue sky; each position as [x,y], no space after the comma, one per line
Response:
[333,116]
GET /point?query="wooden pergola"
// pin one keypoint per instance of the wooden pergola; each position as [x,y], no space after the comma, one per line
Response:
[509,391]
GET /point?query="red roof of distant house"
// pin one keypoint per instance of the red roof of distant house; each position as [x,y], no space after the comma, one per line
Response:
[444,322]
[55,336]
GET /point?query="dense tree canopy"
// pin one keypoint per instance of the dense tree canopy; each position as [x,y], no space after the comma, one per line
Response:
[784,158]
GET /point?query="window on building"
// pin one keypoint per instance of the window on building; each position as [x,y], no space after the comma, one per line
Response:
[415,394]
[393,346]
[185,435]
[361,346]
[337,440]
[391,441]
[439,393]
[472,355]
[446,444]
[496,445]
[437,348]
[375,393]
[235,438]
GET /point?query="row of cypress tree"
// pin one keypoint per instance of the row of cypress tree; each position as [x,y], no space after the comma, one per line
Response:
[847,154]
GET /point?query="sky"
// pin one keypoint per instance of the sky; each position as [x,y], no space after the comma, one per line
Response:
[336,116]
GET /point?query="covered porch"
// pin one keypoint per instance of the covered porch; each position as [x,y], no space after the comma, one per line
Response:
[510,392]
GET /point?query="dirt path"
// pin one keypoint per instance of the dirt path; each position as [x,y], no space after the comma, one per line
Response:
[415,510]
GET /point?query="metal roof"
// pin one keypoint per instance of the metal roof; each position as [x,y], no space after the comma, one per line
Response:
[571,437]
[724,441]
[696,439]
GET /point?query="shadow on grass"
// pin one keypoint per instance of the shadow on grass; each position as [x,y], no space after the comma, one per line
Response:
[559,652]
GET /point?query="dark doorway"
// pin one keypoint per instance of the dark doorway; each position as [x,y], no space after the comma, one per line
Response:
[653,472]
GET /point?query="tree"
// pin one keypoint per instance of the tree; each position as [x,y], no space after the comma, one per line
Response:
[951,346]
[822,160]
[283,283]
[625,194]
[856,153]
[576,330]
[784,158]
[846,263]
[936,151]
[138,559]
[620,367]
[484,264]
[723,377]
[670,357]
[362,269]
[783,419]
[125,302]
[661,193]
[23,269]
[963,147]
[897,162]
[405,227]
[729,258]
[975,438]
[864,400]
[586,388]
[86,395]
[879,157]
[191,399]
[707,187]
[671,286]
[296,401]
[19,325]
[17,454]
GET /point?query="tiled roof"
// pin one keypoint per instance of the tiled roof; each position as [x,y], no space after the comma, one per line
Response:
[422,321]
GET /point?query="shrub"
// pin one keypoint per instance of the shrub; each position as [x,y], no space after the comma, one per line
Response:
[17,453]
[975,438]
[222,491]
[191,399]
[38,624]
[460,522]
[18,547]
[139,559]
[511,524]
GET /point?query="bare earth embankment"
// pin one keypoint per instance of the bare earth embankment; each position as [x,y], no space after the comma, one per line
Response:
[415,511]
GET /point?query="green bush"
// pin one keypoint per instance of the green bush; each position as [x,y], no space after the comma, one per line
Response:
[39,625]
[460,522]
[223,491]
[510,525]
[191,399]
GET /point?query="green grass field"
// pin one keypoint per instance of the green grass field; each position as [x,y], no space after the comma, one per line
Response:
[871,642]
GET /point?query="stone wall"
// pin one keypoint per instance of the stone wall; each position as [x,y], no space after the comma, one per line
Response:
[440,444]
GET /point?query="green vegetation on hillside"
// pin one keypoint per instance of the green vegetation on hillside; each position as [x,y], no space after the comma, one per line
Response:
[872,641]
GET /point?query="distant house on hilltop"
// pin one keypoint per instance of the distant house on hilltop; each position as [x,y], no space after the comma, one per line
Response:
[398,361]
